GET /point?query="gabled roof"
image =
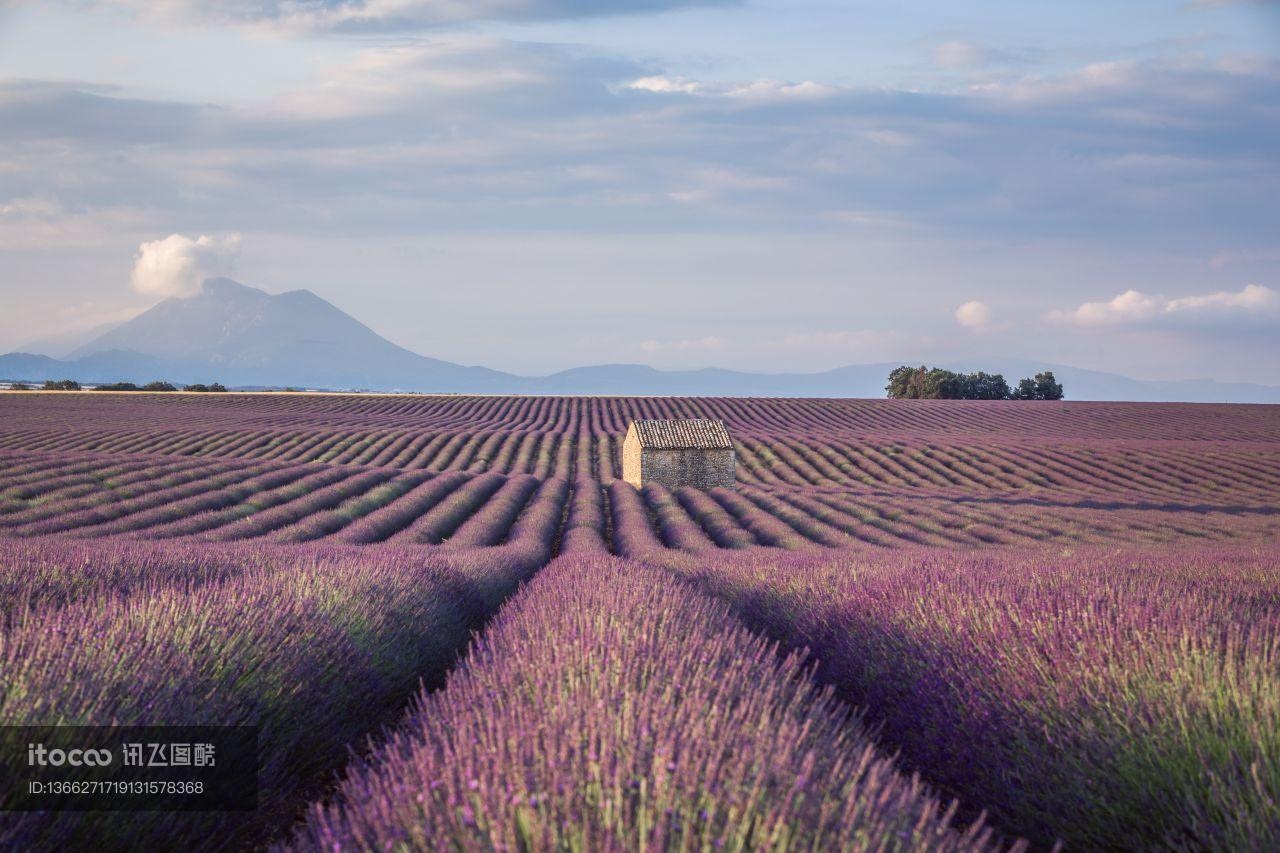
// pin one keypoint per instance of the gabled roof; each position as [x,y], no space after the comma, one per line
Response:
[683,434]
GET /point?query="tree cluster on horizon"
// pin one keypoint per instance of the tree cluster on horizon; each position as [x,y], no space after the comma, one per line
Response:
[934,383]
[158,385]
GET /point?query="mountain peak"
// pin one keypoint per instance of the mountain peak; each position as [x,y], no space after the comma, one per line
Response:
[227,286]
[304,294]
[245,336]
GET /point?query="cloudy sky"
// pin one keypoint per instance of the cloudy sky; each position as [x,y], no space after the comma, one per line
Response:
[768,184]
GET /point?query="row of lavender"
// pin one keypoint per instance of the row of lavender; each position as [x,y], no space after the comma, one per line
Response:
[41,572]
[1112,699]
[319,645]
[136,632]
[608,708]
[654,519]
[33,415]
[1242,471]
[1220,455]
[235,500]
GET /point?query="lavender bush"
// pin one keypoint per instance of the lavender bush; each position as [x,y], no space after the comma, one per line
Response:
[1109,699]
[607,708]
[317,654]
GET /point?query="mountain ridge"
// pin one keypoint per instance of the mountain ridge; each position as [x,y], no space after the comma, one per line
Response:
[245,337]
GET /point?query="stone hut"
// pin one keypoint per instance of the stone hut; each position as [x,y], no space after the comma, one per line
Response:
[677,453]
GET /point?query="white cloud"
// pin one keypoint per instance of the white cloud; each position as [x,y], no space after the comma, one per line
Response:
[666,84]
[1130,306]
[771,90]
[1254,297]
[1134,307]
[751,90]
[973,315]
[1097,79]
[468,127]
[405,77]
[178,265]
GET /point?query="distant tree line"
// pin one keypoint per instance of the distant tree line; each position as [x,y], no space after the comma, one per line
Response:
[934,383]
[129,386]
[198,388]
[72,385]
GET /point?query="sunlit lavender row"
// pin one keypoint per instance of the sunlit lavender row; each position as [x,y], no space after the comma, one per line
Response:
[318,648]
[1112,699]
[608,707]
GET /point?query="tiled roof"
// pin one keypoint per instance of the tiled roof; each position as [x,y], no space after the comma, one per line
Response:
[683,434]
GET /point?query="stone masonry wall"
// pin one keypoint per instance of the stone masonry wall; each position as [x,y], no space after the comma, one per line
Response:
[701,469]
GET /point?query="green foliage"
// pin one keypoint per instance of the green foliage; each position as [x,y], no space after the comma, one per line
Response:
[900,381]
[987,386]
[934,383]
[19,386]
[155,386]
[1043,387]
[200,388]
[1048,387]
[61,385]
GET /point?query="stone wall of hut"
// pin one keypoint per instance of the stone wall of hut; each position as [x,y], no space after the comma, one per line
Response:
[699,468]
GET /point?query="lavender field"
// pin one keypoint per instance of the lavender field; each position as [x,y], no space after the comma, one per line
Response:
[913,625]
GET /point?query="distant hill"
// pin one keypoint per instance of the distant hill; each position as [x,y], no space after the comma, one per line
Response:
[245,337]
[110,366]
[63,344]
[868,380]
